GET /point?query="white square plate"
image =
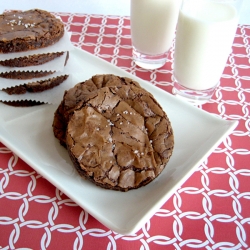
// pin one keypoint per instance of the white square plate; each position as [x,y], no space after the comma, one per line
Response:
[28,132]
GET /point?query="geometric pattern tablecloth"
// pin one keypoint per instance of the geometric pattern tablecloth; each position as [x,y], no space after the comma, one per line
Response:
[210,211]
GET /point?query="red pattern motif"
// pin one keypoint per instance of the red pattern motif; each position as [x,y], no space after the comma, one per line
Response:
[210,211]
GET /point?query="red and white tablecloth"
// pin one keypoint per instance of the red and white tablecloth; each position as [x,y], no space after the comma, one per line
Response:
[210,211]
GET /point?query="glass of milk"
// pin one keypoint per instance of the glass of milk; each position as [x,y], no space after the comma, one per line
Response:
[204,36]
[153,25]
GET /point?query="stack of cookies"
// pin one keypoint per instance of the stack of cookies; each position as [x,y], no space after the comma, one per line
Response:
[116,133]
[34,53]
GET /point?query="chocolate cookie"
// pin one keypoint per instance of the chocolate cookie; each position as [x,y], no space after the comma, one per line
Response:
[25,74]
[31,60]
[23,103]
[29,74]
[120,138]
[79,93]
[38,86]
[28,30]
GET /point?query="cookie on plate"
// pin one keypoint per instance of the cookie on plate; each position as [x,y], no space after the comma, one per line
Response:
[24,75]
[23,103]
[36,86]
[78,94]
[119,137]
[30,74]
[31,60]
[29,30]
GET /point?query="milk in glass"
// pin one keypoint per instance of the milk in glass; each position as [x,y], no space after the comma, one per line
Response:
[205,34]
[153,24]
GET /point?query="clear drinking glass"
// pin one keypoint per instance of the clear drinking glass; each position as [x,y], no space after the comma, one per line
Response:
[204,37]
[153,24]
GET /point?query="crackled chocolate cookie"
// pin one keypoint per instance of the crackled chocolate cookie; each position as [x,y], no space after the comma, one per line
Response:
[31,60]
[120,138]
[29,74]
[37,86]
[24,75]
[28,30]
[23,103]
[79,93]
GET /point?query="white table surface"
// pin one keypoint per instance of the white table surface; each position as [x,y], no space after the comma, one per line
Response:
[106,7]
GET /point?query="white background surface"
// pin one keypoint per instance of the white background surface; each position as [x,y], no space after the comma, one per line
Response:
[106,7]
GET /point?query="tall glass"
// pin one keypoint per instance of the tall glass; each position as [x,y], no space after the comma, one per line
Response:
[205,33]
[153,24]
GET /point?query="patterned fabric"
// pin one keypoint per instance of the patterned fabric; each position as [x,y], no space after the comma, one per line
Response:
[210,211]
